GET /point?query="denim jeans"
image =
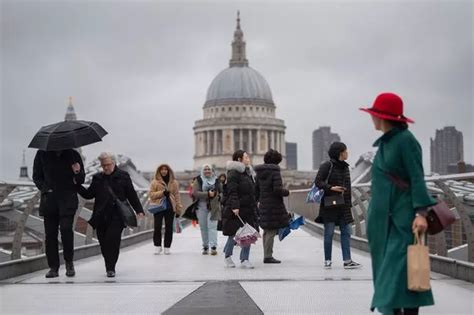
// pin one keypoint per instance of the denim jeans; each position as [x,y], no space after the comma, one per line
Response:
[208,228]
[229,248]
[345,240]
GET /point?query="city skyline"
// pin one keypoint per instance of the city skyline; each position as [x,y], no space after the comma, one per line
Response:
[319,75]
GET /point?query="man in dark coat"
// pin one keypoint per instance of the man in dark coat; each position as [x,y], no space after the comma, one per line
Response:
[271,208]
[334,177]
[106,218]
[239,202]
[57,174]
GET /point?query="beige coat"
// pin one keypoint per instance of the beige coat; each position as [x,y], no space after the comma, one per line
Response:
[158,187]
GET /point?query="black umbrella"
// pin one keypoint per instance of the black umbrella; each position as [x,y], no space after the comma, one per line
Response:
[67,135]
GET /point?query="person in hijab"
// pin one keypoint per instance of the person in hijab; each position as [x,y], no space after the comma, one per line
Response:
[207,189]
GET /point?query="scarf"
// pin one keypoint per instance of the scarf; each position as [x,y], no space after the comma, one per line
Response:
[208,182]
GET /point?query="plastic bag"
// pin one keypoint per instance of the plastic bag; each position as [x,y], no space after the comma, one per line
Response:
[246,235]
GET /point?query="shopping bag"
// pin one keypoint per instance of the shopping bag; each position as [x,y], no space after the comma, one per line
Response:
[315,195]
[177,225]
[246,235]
[418,265]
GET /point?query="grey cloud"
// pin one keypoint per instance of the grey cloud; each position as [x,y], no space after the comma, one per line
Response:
[142,68]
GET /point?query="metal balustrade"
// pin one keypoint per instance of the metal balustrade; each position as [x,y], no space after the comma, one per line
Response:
[19,203]
[450,188]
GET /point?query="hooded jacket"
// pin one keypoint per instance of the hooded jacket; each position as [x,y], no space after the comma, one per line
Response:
[158,187]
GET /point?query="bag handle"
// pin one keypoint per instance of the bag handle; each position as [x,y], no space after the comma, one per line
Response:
[419,238]
[238,216]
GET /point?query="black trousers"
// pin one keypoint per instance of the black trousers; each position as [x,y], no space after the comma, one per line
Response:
[51,225]
[109,234]
[168,215]
[406,311]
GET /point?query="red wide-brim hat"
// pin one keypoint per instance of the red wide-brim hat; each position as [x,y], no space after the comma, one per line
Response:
[388,106]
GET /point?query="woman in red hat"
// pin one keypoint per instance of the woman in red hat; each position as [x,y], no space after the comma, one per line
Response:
[397,208]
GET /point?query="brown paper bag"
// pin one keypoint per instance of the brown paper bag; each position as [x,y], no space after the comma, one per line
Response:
[418,265]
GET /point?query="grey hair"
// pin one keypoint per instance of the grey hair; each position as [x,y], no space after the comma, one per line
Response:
[107,155]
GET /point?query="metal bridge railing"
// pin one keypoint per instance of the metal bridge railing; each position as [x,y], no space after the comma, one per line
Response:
[450,188]
[20,222]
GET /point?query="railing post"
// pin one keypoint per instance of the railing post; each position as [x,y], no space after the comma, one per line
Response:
[355,214]
[20,228]
[466,222]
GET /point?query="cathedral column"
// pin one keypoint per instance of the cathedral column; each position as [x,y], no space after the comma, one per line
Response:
[258,142]
[215,143]
[241,139]
[250,140]
[208,143]
[283,143]
[272,140]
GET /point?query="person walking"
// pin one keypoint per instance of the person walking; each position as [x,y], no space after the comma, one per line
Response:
[165,185]
[239,201]
[271,208]
[334,177]
[57,174]
[207,189]
[106,218]
[395,214]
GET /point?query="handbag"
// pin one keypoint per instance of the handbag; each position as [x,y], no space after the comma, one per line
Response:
[160,207]
[190,212]
[125,210]
[334,201]
[418,265]
[315,194]
[439,216]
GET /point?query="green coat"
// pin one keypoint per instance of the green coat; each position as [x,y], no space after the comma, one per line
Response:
[389,220]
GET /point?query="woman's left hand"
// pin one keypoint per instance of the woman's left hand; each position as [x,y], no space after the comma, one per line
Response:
[420,224]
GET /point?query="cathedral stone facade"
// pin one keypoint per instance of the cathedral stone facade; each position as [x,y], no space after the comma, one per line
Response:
[239,113]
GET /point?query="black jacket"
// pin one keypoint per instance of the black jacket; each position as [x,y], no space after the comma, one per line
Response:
[53,176]
[104,207]
[340,176]
[269,194]
[240,194]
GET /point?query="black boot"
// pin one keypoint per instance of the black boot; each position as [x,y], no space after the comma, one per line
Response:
[110,274]
[271,260]
[52,273]
[70,272]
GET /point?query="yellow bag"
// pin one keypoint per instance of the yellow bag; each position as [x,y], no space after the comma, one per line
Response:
[418,265]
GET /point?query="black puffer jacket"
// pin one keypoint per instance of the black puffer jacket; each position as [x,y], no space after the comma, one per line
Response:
[269,194]
[340,176]
[240,194]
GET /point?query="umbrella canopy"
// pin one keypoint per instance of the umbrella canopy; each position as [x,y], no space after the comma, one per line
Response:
[67,135]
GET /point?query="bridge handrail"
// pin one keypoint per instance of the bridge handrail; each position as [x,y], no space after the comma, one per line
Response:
[24,211]
[438,185]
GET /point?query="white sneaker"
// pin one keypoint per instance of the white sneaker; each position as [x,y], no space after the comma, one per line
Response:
[327,264]
[157,250]
[167,251]
[246,265]
[229,263]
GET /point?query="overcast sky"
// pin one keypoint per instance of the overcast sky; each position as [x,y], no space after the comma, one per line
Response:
[142,69]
